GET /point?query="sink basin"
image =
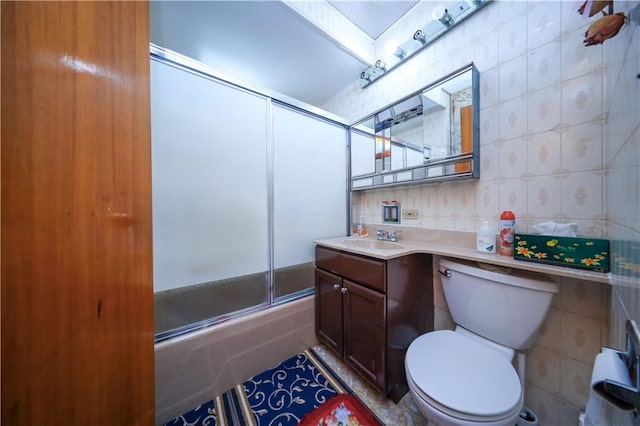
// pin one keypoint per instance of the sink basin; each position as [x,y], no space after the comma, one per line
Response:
[372,244]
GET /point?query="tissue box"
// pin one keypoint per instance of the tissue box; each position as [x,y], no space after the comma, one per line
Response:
[583,253]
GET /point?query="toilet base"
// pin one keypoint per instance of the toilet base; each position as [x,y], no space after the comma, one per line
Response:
[527,418]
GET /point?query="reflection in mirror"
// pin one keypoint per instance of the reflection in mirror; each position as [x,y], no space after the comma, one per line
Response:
[429,135]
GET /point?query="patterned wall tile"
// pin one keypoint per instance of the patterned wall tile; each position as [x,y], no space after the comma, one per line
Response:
[489,125]
[549,333]
[571,19]
[624,181]
[583,298]
[543,369]
[513,78]
[445,200]
[543,66]
[544,23]
[569,413]
[512,116]
[490,162]
[545,198]
[582,196]
[513,35]
[576,60]
[575,378]
[622,133]
[486,22]
[543,110]
[464,198]
[510,10]
[513,158]
[487,199]
[582,147]
[545,405]
[485,52]
[489,85]
[544,155]
[582,99]
[447,222]
[580,337]
[513,196]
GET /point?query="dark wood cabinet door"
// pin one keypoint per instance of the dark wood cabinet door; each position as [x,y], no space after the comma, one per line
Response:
[328,309]
[365,332]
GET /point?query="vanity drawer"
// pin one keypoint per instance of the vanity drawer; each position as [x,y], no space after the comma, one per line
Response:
[365,271]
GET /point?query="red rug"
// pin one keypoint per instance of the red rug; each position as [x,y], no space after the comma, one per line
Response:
[343,409]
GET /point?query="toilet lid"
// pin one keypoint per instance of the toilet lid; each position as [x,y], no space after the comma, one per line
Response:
[462,374]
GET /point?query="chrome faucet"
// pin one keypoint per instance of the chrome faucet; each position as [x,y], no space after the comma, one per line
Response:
[387,235]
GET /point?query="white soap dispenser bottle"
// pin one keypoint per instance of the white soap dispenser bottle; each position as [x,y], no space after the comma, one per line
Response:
[486,238]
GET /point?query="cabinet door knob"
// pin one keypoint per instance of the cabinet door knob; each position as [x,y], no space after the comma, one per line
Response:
[336,286]
[344,290]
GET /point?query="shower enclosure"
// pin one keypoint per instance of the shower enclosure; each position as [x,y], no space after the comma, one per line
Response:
[243,181]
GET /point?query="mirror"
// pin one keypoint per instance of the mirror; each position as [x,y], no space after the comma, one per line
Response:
[431,135]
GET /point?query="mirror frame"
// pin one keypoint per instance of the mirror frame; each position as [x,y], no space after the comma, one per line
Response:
[420,174]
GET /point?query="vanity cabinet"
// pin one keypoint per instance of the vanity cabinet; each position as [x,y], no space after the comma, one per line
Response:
[369,310]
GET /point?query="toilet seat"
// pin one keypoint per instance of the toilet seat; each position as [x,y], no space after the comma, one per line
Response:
[462,377]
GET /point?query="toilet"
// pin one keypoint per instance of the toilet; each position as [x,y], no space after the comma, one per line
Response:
[466,376]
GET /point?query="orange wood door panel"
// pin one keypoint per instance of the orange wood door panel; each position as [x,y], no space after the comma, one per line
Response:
[466,137]
[77,294]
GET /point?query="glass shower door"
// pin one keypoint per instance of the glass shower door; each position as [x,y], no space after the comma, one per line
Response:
[210,198]
[310,190]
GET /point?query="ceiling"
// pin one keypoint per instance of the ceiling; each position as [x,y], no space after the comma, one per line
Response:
[267,44]
[373,17]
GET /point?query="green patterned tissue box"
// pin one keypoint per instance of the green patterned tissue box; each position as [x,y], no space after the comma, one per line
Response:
[583,253]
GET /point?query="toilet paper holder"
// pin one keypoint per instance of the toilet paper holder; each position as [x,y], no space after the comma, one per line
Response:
[628,397]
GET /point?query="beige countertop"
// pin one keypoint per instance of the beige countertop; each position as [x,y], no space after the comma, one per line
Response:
[454,244]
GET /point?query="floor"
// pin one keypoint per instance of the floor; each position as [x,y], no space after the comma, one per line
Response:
[405,413]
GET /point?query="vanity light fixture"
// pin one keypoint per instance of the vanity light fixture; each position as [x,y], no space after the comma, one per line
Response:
[420,37]
[445,18]
[428,32]
[400,53]
[381,65]
[440,13]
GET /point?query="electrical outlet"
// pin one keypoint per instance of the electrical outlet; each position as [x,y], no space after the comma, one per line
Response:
[410,214]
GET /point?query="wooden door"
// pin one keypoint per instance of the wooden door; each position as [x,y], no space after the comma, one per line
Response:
[328,309]
[466,138]
[76,256]
[365,332]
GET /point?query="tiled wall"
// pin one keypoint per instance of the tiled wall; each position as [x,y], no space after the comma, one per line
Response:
[559,141]
[541,119]
[621,88]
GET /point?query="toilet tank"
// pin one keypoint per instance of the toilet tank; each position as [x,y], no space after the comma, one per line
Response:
[504,305]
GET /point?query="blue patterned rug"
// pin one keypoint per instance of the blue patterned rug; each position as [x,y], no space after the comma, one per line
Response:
[277,397]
